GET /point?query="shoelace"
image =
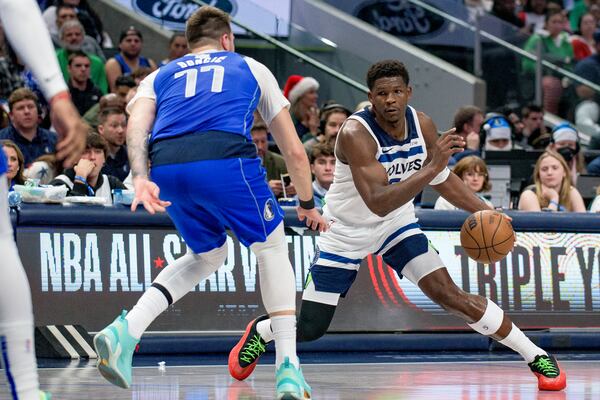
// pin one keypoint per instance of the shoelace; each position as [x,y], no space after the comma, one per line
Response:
[253,349]
[546,367]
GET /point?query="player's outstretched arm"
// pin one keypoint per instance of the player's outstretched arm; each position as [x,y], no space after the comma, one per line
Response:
[296,161]
[138,128]
[356,147]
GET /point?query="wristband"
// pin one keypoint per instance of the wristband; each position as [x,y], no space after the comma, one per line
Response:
[60,95]
[552,202]
[81,179]
[307,204]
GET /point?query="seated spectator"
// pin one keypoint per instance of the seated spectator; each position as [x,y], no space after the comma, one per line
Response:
[322,166]
[45,168]
[10,74]
[85,14]
[332,117]
[83,91]
[15,164]
[593,168]
[533,134]
[474,173]
[565,141]
[85,179]
[556,48]
[498,134]
[533,15]
[506,10]
[113,127]
[129,57]
[24,129]
[583,43]
[552,189]
[468,121]
[595,206]
[178,48]
[273,163]
[71,36]
[302,93]
[89,45]
[587,115]
[110,100]
[139,74]
[589,68]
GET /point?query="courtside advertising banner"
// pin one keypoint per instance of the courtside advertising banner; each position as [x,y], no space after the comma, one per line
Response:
[86,276]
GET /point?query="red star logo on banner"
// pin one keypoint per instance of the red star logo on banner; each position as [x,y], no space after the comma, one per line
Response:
[159,263]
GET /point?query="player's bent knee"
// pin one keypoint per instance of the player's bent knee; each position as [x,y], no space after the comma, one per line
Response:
[314,320]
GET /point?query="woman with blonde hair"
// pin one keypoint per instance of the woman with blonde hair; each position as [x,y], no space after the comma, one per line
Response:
[552,189]
[16,163]
[474,173]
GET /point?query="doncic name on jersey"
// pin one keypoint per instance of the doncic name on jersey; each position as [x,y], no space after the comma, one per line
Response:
[201,59]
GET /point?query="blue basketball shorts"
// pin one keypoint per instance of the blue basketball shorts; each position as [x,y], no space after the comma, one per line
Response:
[209,196]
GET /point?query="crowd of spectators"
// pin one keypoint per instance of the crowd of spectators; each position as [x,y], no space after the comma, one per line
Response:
[102,76]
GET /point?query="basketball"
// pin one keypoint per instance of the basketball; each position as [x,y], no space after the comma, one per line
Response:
[487,236]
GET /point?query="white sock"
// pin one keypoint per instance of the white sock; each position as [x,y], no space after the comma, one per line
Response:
[264,330]
[520,343]
[18,359]
[149,306]
[284,333]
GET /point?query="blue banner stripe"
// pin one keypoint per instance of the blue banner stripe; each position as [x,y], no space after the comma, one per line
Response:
[340,259]
[9,377]
[400,154]
[396,234]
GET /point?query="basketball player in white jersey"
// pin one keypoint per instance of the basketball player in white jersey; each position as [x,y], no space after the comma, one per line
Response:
[386,154]
[25,29]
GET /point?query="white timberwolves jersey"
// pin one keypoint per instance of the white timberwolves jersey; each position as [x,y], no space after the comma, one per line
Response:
[400,159]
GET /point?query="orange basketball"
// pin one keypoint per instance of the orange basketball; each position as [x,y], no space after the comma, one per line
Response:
[487,236]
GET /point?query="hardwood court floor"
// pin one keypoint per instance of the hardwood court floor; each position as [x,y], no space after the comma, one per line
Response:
[387,380]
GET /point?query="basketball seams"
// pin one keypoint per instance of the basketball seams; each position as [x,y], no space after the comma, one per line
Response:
[483,235]
[489,247]
[497,228]
[475,240]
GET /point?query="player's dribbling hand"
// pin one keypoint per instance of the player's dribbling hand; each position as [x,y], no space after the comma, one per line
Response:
[314,219]
[146,192]
[71,130]
[447,145]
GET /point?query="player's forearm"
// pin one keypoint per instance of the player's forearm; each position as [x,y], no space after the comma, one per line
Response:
[299,170]
[391,197]
[138,130]
[456,192]
[39,58]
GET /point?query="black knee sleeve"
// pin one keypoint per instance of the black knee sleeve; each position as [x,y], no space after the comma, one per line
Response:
[314,320]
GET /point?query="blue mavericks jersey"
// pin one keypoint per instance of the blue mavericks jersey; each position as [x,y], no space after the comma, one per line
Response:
[3,166]
[205,92]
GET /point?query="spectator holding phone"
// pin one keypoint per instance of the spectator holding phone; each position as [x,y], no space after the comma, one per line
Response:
[272,162]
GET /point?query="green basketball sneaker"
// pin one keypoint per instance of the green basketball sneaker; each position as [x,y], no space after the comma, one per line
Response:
[290,383]
[549,374]
[115,346]
[45,395]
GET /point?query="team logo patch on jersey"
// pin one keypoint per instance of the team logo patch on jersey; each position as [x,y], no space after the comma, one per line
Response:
[269,214]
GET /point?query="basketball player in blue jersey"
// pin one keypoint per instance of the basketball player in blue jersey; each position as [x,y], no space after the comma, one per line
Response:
[206,173]
[386,154]
[26,31]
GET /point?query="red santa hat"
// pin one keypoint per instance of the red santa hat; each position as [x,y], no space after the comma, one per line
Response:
[297,85]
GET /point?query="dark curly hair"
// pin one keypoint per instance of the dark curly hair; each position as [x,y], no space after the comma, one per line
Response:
[386,69]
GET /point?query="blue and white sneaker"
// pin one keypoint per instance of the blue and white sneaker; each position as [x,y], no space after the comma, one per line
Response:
[115,346]
[290,383]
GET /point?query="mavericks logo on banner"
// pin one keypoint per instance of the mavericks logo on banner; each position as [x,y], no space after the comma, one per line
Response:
[173,13]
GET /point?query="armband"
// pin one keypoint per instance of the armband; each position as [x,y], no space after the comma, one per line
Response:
[441,177]
[307,204]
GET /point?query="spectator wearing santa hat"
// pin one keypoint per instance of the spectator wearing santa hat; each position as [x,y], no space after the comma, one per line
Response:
[301,91]
[498,133]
